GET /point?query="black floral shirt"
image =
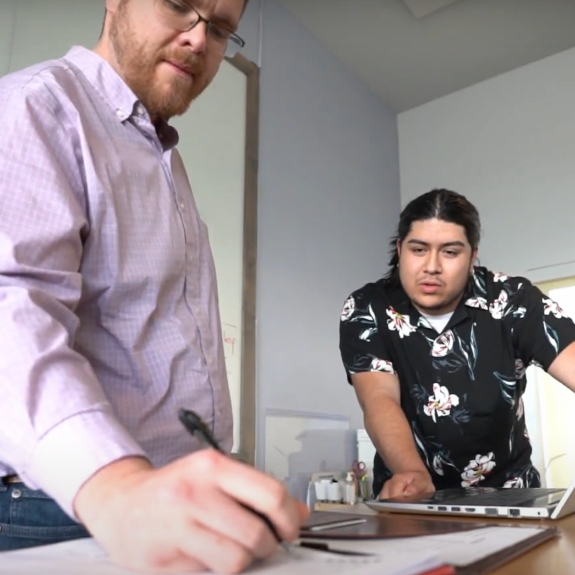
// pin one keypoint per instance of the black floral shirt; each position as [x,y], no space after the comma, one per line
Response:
[461,390]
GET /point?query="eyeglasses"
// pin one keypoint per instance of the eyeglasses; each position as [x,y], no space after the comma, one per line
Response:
[179,15]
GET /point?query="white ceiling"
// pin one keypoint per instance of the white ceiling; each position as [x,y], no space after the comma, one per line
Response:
[422,8]
[409,55]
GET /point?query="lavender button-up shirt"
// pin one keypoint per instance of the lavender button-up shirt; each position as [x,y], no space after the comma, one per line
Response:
[109,316]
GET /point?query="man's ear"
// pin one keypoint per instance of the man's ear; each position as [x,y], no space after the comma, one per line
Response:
[474,261]
[398,247]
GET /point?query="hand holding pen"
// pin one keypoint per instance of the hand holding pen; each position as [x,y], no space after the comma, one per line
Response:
[196,427]
[203,512]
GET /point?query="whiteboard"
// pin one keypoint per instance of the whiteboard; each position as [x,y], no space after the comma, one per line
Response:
[212,145]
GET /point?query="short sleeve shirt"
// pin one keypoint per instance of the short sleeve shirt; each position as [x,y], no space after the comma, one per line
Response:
[461,389]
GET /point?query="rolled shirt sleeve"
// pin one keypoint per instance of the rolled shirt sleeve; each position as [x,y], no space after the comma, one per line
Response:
[57,428]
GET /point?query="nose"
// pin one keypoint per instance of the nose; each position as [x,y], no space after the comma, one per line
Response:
[433,262]
[197,37]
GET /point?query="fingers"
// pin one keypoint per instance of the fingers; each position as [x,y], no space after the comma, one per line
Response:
[393,487]
[212,551]
[404,484]
[254,489]
[418,487]
[224,516]
[412,489]
[302,511]
[174,562]
[186,546]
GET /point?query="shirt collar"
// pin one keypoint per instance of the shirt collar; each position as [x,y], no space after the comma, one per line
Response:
[105,80]
[108,83]
[473,297]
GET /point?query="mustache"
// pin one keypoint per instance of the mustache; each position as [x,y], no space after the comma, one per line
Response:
[189,60]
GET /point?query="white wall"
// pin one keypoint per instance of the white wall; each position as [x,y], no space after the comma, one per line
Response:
[329,200]
[508,144]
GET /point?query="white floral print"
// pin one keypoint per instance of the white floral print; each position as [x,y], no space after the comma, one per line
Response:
[348,308]
[478,302]
[437,465]
[477,469]
[440,403]
[519,369]
[382,365]
[499,277]
[519,312]
[443,344]
[497,308]
[552,307]
[520,409]
[400,323]
[515,482]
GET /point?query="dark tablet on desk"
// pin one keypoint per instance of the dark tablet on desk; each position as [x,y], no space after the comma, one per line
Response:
[334,525]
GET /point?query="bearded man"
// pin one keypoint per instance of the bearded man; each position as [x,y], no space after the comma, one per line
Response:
[108,306]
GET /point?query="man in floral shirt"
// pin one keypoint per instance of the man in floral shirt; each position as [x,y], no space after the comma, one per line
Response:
[437,350]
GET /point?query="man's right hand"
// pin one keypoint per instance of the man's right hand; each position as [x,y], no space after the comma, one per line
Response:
[406,484]
[186,516]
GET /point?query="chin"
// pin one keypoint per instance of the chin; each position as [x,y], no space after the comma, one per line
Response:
[437,306]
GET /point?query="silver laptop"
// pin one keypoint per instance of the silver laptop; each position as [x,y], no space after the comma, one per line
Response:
[528,503]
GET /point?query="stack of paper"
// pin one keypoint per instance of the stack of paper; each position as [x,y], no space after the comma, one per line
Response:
[459,549]
[85,557]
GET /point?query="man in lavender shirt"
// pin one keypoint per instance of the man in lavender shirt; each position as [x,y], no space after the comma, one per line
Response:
[108,306]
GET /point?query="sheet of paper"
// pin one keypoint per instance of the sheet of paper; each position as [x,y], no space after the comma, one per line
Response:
[459,549]
[86,557]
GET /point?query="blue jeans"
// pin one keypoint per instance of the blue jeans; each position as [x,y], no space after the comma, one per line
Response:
[29,518]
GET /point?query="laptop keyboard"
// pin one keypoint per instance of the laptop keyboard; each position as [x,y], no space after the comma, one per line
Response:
[504,497]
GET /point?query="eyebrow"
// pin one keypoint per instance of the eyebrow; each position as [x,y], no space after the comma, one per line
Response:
[223,20]
[453,244]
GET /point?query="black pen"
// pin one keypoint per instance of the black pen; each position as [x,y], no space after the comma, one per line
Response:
[196,427]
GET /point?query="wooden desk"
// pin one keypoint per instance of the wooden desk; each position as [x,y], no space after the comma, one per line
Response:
[555,557]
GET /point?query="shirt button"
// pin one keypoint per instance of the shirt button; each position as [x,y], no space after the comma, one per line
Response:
[16,494]
[140,109]
[120,114]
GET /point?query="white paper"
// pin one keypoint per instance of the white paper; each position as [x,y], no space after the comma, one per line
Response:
[86,557]
[458,549]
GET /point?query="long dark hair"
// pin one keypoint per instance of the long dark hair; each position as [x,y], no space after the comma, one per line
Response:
[441,204]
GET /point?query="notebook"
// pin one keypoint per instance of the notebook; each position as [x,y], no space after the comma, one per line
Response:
[323,521]
[472,548]
[321,525]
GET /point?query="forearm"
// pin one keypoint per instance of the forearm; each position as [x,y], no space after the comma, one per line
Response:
[389,430]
